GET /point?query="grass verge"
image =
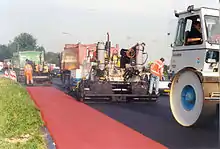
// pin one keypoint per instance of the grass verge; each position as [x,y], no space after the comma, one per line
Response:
[20,121]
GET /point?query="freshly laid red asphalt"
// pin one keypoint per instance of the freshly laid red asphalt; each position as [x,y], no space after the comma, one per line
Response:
[74,125]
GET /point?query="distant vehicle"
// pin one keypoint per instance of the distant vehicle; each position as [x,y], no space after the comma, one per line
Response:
[164,86]
[51,66]
[56,68]
[55,73]
[37,60]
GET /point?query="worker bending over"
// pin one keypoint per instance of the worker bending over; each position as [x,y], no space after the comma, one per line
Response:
[156,71]
[28,71]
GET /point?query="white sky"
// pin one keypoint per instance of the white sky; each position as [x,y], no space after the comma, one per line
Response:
[128,21]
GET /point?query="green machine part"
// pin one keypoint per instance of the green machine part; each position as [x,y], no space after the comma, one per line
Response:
[19,58]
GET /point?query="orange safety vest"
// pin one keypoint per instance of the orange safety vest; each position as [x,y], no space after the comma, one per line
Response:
[156,67]
[28,68]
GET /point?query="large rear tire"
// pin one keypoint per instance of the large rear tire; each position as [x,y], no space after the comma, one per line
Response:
[186,98]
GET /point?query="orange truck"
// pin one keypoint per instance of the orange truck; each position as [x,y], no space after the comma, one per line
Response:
[71,58]
[74,55]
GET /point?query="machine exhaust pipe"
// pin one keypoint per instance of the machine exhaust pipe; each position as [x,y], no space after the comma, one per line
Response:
[108,45]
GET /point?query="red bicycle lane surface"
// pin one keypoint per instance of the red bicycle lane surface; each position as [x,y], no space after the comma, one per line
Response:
[74,125]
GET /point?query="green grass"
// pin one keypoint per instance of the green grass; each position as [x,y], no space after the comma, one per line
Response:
[18,117]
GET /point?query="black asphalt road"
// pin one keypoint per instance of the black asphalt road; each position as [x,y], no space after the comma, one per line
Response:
[154,120]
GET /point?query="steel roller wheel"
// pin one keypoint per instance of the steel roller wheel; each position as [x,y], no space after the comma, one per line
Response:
[186,98]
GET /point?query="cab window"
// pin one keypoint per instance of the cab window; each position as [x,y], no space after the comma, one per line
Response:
[189,31]
[212,29]
[179,41]
[212,56]
[193,32]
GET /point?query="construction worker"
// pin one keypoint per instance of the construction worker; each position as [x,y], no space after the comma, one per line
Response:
[195,35]
[156,75]
[28,70]
[45,69]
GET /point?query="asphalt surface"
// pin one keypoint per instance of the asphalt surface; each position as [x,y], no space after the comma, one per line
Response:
[155,121]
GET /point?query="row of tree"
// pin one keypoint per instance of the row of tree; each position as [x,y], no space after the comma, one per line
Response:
[25,42]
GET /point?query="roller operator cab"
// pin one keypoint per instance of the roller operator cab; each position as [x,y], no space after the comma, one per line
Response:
[195,65]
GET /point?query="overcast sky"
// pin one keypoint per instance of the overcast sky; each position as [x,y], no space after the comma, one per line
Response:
[127,21]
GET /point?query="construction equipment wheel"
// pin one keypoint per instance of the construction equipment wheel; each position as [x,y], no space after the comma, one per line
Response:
[80,91]
[186,98]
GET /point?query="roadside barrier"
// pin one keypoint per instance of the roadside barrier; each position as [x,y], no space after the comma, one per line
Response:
[13,75]
[6,74]
[10,74]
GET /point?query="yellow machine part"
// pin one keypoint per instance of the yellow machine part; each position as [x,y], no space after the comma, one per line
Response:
[46,69]
[116,60]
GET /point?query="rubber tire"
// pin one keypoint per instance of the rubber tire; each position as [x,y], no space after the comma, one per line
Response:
[203,113]
[80,92]
[77,94]
[183,117]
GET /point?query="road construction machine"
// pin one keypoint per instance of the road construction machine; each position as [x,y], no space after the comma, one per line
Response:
[195,65]
[41,74]
[116,78]
[73,62]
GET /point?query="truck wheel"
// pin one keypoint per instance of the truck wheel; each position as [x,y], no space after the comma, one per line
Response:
[186,98]
[77,94]
[80,92]
[82,85]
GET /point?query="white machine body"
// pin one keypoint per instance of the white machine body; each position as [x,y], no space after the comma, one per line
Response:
[139,57]
[203,57]
[101,55]
[195,65]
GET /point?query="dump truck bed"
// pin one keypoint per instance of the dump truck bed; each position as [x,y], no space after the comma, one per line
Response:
[74,55]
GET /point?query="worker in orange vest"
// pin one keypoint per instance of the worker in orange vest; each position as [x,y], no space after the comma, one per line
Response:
[28,70]
[156,71]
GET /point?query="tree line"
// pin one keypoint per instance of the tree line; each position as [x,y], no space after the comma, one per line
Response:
[25,42]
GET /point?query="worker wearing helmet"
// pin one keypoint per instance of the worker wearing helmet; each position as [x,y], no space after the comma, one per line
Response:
[28,70]
[156,71]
